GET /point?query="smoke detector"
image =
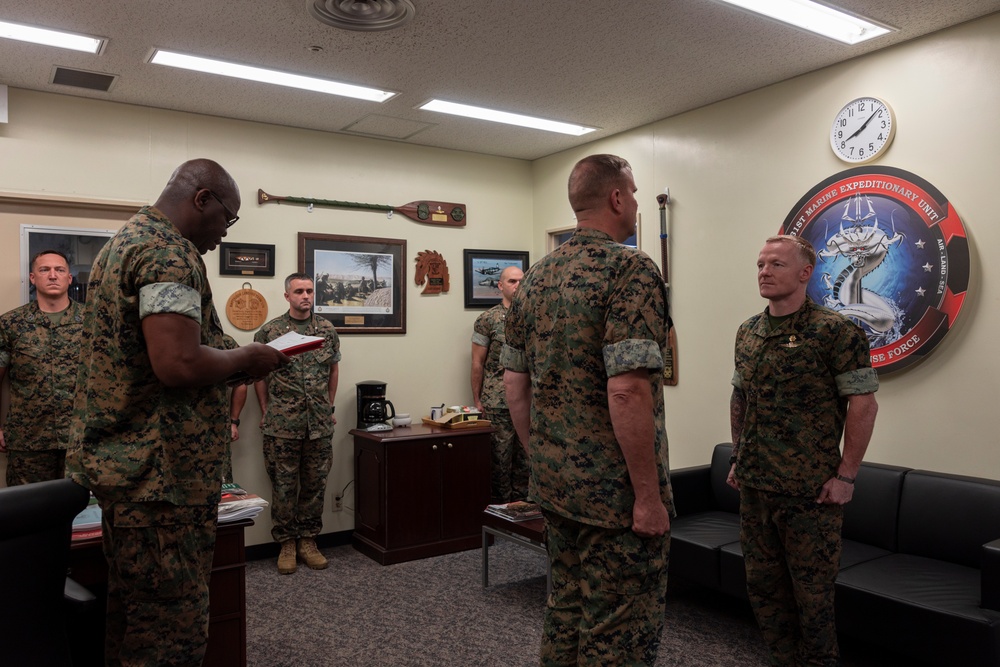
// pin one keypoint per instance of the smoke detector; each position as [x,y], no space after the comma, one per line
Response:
[362,15]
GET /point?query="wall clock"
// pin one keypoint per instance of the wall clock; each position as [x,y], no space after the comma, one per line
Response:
[862,130]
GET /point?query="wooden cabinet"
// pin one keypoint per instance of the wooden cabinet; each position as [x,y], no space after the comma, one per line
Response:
[419,491]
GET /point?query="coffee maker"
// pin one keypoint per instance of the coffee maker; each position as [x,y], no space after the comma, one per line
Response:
[372,406]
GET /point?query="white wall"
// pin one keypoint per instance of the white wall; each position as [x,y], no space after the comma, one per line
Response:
[736,168]
[85,149]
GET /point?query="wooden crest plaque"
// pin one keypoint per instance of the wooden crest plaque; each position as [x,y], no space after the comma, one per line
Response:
[247,308]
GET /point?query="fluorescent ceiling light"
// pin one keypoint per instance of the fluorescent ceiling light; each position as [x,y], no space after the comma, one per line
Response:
[199,64]
[505,117]
[63,40]
[815,17]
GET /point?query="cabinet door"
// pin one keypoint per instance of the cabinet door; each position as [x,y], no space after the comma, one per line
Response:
[465,466]
[413,492]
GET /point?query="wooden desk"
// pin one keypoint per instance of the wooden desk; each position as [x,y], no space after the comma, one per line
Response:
[227,629]
[419,491]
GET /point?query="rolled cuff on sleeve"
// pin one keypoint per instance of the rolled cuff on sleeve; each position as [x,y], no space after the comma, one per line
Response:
[859,381]
[632,354]
[480,339]
[175,298]
[737,380]
[513,359]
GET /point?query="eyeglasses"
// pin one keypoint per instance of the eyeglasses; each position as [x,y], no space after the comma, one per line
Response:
[231,218]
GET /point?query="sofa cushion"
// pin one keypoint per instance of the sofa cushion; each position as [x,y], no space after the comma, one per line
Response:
[695,542]
[948,517]
[852,553]
[871,516]
[922,607]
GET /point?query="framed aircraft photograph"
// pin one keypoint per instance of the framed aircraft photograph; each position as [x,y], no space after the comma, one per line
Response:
[482,270]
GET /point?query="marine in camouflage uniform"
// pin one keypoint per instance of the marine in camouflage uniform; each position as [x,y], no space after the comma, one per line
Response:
[39,353]
[509,465]
[150,452]
[793,379]
[298,428]
[587,318]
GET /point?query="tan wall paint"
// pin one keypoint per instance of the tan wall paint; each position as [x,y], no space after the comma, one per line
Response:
[736,168]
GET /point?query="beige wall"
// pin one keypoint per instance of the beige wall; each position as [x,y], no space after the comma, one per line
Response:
[84,149]
[736,168]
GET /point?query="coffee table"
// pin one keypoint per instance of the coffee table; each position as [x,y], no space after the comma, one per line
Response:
[528,534]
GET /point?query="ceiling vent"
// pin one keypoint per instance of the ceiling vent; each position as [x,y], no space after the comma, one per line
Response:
[363,15]
[78,78]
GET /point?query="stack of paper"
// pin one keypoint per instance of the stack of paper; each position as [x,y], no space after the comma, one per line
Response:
[234,507]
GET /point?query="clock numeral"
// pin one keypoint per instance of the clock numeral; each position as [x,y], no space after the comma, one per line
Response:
[861,152]
[871,146]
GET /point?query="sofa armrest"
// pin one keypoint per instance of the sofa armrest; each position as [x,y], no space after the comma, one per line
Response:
[692,490]
[990,581]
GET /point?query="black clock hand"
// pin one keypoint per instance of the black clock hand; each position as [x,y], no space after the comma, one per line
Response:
[862,128]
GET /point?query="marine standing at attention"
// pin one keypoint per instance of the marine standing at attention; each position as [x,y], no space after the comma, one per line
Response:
[39,353]
[297,404]
[509,464]
[586,333]
[803,379]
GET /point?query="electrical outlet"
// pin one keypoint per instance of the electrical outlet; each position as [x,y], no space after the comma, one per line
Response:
[338,504]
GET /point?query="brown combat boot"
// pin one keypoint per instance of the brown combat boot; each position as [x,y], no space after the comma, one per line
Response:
[310,555]
[286,559]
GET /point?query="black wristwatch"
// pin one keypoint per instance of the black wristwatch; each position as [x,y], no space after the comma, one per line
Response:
[235,422]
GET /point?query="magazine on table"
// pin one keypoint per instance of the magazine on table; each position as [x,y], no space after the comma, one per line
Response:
[518,510]
[236,506]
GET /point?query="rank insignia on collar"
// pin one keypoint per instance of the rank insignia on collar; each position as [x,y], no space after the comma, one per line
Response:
[793,341]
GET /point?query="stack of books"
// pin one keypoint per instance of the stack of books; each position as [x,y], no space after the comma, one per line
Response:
[519,510]
[236,503]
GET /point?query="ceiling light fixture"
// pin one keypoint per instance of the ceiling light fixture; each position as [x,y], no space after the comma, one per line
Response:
[46,37]
[210,66]
[482,113]
[818,18]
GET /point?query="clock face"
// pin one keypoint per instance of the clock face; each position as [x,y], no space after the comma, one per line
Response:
[862,130]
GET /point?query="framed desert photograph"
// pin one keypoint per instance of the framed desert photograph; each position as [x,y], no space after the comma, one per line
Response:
[360,281]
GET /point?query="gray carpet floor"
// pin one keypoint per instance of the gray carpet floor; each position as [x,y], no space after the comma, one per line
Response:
[434,612]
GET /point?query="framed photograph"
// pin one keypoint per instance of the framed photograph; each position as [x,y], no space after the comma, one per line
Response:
[246,259]
[482,274]
[360,281]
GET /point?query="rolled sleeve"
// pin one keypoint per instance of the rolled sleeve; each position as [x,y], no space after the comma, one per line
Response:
[858,381]
[630,355]
[513,359]
[160,298]
[480,339]
[737,380]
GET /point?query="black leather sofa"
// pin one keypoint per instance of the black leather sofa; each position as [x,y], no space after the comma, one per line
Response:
[920,568]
